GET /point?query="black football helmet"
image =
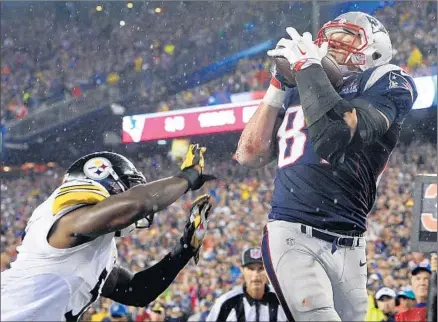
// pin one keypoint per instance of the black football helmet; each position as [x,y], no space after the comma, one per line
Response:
[113,171]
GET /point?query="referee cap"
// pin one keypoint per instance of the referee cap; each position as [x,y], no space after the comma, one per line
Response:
[252,255]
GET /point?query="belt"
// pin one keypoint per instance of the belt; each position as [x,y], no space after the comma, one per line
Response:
[338,241]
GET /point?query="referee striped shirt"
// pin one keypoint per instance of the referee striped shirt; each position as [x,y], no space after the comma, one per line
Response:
[238,305]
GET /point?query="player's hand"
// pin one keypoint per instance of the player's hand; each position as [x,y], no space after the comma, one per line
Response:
[196,226]
[300,51]
[192,168]
[277,79]
[194,158]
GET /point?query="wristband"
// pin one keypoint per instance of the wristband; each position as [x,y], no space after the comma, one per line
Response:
[274,97]
[192,176]
[302,64]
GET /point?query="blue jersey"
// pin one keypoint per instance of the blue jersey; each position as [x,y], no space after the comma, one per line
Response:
[308,189]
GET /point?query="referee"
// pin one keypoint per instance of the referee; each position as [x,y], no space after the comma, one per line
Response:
[252,301]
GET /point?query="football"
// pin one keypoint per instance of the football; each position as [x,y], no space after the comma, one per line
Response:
[329,64]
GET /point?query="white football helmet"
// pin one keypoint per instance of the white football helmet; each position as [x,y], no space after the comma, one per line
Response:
[374,47]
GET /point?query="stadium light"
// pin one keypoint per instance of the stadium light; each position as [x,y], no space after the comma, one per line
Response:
[157,10]
[122,23]
[129,5]
[99,8]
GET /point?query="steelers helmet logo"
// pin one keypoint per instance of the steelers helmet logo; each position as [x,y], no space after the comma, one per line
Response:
[97,168]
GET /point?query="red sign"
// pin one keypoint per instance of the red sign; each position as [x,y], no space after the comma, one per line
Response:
[187,122]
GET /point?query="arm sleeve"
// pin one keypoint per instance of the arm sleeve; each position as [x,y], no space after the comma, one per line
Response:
[143,287]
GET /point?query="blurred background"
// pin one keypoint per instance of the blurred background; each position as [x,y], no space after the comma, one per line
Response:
[147,78]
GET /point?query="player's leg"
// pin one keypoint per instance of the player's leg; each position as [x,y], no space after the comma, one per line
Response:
[300,282]
[349,291]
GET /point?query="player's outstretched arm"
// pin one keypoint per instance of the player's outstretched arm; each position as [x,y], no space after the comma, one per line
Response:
[119,211]
[143,287]
[257,143]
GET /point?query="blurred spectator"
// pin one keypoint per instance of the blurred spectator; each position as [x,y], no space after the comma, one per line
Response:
[381,307]
[201,312]
[386,302]
[420,279]
[54,56]
[118,313]
[175,315]
[157,313]
[405,300]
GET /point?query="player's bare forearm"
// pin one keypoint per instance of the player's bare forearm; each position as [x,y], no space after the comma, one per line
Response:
[257,145]
[143,287]
[120,211]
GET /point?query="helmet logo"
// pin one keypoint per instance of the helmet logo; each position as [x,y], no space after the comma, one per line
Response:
[376,26]
[97,168]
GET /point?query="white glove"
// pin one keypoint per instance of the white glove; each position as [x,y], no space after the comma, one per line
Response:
[301,52]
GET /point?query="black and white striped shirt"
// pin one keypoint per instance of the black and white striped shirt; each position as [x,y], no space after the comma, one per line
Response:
[238,305]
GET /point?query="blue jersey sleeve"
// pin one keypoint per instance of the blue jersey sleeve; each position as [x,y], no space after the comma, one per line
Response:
[393,94]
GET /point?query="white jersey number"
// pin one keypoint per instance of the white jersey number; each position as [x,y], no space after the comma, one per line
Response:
[291,138]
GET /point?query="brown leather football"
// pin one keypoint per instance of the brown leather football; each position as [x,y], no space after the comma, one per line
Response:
[329,64]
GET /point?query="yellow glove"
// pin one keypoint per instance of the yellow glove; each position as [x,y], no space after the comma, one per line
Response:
[194,156]
[194,175]
[196,226]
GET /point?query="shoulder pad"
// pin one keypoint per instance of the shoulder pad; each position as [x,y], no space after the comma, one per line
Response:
[379,72]
[78,192]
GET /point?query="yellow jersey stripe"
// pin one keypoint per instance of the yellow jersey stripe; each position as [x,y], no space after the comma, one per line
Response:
[87,187]
[76,197]
[104,194]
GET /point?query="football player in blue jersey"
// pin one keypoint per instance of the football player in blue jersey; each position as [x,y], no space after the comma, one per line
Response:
[331,146]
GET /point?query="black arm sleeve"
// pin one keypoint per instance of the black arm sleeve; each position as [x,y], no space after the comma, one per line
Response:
[324,109]
[371,124]
[143,287]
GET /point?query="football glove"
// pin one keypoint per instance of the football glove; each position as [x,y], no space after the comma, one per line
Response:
[196,226]
[194,157]
[301,52]
[277,79]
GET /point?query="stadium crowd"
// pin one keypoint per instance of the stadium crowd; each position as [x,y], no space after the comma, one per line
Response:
[54,54]
[241,198]
[40,65]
